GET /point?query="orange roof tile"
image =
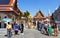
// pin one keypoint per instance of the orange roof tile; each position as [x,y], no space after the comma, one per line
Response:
[6,9]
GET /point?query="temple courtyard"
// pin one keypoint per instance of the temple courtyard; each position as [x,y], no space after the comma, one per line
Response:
[30,33]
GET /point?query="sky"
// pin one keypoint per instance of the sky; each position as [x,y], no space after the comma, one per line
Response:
[33,6]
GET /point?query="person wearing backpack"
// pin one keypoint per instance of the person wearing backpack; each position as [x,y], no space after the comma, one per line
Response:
[50,30]
[16,27]
[9,28]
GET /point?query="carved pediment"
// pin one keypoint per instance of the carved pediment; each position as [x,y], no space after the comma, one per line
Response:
[39,14]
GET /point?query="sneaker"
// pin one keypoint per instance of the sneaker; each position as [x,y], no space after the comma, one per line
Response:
[22,33]
[5,35]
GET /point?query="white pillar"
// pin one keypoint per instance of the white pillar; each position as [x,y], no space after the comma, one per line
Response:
[36,25]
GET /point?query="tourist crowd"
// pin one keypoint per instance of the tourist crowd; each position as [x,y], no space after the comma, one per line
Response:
[16,27]
[46,28]
[43,26]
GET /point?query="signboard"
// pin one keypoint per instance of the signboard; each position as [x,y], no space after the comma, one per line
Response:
[3,31]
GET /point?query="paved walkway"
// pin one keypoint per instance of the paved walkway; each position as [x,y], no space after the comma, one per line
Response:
[31,33]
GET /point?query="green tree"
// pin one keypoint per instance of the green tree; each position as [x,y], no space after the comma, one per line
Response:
[26,14]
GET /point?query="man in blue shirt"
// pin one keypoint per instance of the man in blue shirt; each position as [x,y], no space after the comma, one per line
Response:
[16,28]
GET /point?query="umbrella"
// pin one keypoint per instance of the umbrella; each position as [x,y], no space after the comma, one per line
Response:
[7,19]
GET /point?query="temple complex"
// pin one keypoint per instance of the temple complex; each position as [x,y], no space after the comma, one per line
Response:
[39,16]
[9,8]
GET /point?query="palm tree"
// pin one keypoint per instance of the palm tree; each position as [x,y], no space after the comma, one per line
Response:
[26,14]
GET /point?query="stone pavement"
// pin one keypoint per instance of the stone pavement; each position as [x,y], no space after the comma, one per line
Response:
[31,33]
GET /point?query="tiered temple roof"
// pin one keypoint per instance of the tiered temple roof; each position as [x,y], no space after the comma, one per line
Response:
[39,14]
[10,5]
